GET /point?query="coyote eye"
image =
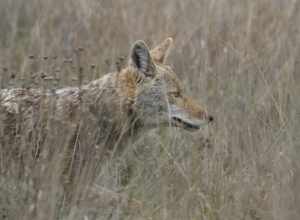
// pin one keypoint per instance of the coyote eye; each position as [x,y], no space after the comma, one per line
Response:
[175,94]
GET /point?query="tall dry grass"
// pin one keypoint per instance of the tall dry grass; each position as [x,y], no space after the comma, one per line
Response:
[240,58]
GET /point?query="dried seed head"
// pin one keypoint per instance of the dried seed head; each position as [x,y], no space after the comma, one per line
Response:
[43,75]
[68,60]
[107,62]
[120,62]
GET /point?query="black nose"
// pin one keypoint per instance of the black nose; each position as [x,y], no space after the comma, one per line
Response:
[210,118]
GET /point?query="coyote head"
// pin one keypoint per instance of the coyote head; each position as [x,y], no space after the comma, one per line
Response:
[159,97]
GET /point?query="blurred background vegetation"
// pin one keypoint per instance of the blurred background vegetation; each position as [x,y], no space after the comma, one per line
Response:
[240,58]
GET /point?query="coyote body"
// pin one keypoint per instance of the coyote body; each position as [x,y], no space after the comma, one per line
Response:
[98,110]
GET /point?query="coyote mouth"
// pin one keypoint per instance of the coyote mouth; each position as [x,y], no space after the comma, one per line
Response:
[178,122]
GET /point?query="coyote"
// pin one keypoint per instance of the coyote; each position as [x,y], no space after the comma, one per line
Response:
[145,94]
[101,117]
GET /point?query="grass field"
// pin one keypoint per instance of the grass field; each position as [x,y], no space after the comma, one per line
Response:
[239,58]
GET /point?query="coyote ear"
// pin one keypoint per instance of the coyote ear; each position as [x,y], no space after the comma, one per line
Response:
[141,59]
[161,52]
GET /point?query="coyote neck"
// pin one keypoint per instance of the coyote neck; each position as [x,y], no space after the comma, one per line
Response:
[111,108]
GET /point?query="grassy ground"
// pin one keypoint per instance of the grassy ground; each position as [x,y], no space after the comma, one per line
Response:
[241,58]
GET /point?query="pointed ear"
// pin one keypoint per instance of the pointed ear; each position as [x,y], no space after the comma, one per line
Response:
[160,53]
[141,59]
